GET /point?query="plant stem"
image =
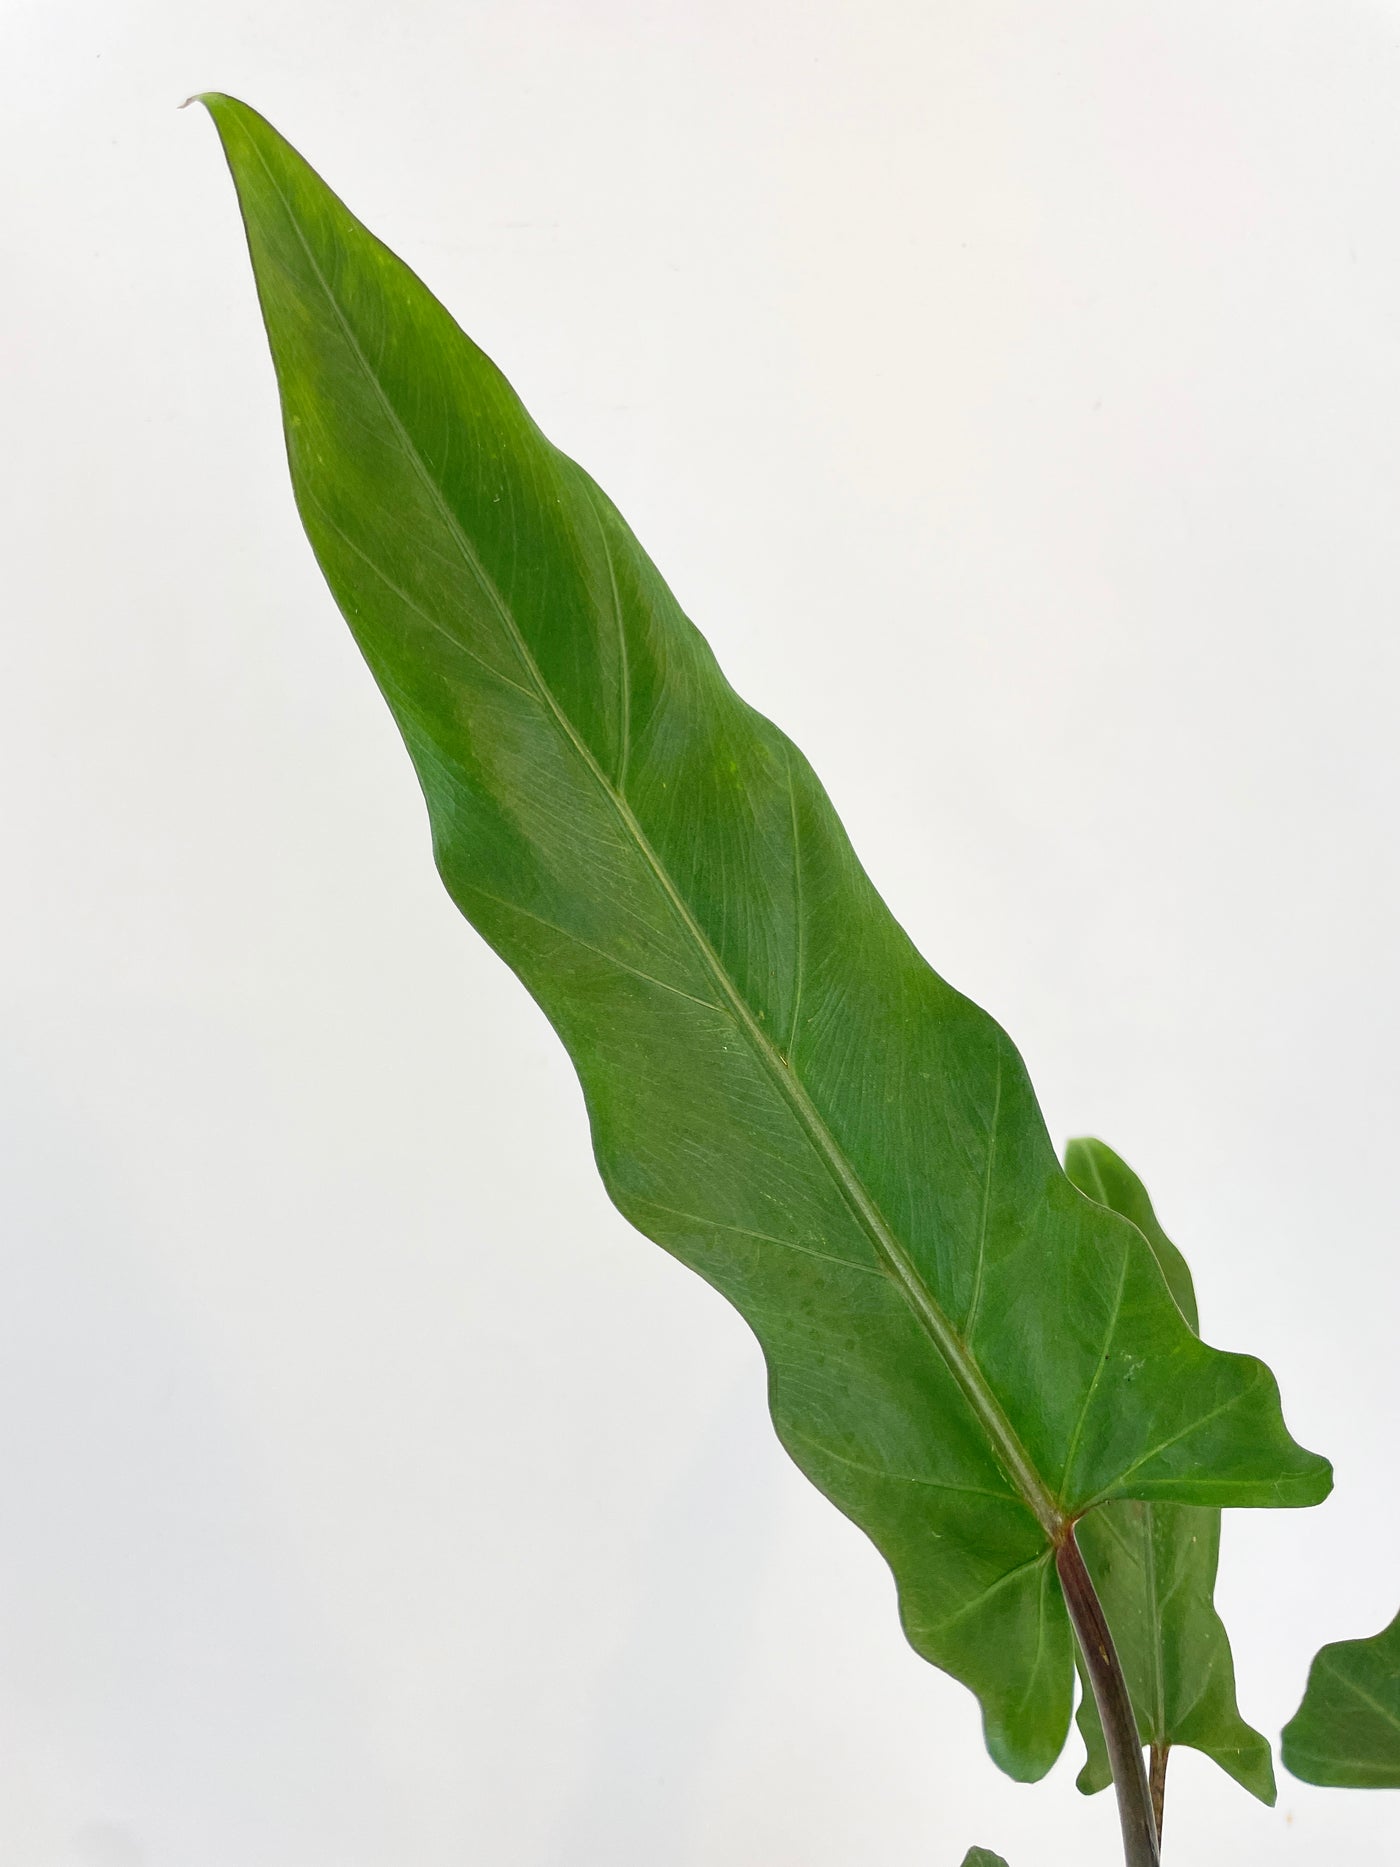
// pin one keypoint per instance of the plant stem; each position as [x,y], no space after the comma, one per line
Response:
[1135,1812]
[1157,1783]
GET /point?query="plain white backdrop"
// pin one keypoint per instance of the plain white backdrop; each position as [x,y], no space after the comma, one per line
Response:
[1011,390]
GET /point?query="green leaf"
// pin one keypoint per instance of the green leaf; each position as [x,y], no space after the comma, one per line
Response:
[1104,1176]
[982,1857]
[1346,1732]
[962,1351]
[1154,1566]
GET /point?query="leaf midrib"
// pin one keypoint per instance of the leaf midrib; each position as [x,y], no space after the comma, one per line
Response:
[1010,1453]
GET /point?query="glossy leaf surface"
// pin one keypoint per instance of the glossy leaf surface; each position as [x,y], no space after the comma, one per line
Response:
[962,1350]
[1346,1732]
[1154,1567]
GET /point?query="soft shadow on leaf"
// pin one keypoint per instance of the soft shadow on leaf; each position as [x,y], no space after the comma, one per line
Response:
[1154,1567]
[963,1353]
[1346,1732]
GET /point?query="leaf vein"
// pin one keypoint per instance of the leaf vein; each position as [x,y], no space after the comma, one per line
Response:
[976,1301]
[514,907]
[799,916]
[1101,1364]
[767,1238]
[903,1478]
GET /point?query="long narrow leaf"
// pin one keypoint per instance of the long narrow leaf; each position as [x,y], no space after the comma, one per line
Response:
[1346,1732]
[963,1352]
[1154,1567]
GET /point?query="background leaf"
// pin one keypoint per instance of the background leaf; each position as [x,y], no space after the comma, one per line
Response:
[962,1351]
[1154,1566]
[1346,1732]
[982,1857]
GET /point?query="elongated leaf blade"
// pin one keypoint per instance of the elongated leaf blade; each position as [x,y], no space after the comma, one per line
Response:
[1346,1732]
[1154,1567]
[962,1351]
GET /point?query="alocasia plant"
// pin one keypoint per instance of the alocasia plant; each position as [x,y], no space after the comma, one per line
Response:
[966,1354]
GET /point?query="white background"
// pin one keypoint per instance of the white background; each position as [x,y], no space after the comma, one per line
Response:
[1012,393]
